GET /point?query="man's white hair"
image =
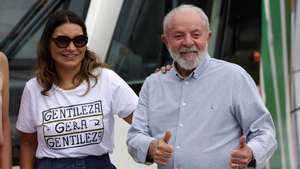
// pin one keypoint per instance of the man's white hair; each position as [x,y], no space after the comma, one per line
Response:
[201,13]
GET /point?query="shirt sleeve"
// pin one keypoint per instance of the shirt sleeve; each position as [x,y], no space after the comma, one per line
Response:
[255,120]
[25,118]
[124,98]
[138,138]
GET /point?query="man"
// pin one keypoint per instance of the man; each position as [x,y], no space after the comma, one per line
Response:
[203,113]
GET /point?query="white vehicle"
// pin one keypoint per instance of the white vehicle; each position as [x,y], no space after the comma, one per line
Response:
[126,35]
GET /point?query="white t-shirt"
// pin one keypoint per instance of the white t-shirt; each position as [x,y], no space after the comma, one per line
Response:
[71,124]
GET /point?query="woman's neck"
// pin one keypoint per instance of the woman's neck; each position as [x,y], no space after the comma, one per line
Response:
[66,78]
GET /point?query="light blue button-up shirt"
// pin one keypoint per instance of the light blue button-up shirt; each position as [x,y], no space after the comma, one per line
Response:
[206,114]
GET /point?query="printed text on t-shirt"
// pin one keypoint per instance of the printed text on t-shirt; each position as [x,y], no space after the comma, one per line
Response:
[73,126]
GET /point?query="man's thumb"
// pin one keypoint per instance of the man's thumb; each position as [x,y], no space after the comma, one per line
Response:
[243,141]
[167,136]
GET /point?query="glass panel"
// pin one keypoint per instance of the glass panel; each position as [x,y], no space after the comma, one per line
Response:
[136,48]
[214,25]
[241,35]
[11,12]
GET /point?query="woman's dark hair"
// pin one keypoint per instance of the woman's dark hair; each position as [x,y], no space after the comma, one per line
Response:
[45,69]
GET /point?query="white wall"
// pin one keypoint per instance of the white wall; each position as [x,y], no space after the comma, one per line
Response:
[101,20]
[120,158]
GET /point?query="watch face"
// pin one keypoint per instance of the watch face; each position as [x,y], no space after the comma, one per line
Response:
[252,162]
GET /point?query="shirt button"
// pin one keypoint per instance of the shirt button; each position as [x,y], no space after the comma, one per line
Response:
[186,82]
[183,104]
[178,147]
[180,125]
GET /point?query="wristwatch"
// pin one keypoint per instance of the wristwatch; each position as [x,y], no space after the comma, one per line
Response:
[252,162]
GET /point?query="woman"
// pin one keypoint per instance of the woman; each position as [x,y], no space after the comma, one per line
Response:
[5,130]
[66,113]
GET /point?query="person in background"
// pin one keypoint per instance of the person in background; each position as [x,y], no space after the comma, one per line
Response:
[66,116]
[5,129]
[204,112]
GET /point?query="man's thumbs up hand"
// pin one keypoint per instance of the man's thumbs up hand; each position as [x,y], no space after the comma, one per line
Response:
[167,136]
[241,156]
[243,141]
[160,150]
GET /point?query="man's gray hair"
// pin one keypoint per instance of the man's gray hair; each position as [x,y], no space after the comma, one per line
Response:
[201,13]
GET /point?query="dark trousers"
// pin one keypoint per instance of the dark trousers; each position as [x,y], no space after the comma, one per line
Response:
[89,162]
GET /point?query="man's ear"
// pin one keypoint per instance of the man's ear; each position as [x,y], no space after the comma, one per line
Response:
[164,39]
[209,36]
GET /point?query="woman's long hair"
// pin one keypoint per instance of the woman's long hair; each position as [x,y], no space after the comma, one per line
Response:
[45,69]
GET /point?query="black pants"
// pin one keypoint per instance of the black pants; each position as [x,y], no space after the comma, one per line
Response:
[89,162]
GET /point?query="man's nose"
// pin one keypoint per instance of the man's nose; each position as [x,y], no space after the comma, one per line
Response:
[188,41]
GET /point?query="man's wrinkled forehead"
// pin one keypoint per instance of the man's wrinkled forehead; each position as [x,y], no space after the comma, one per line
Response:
[180,17]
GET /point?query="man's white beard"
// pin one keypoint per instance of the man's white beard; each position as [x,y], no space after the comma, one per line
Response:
[188,65]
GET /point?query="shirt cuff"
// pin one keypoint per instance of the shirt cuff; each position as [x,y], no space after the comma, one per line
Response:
[147,158]
[257,155]
[139,149]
